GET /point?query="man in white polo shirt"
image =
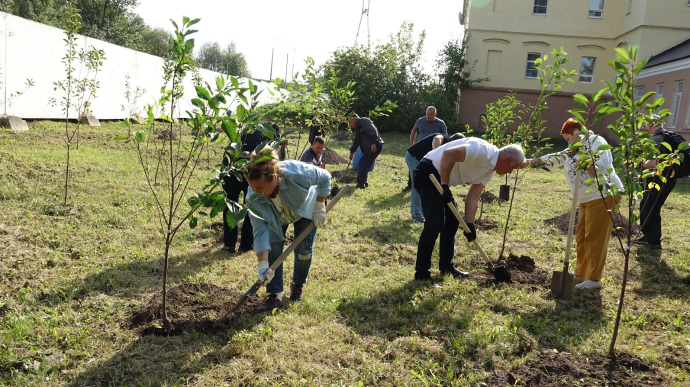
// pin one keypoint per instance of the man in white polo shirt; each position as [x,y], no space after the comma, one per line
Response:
[468,160]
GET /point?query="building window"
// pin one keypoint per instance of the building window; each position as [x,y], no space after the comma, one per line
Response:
[587,69]
[659,91]
[596,8]
[531,71]
[687,117]
[540,7]
[675,104]
[639,92]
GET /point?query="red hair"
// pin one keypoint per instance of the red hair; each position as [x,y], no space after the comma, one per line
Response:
[570,126]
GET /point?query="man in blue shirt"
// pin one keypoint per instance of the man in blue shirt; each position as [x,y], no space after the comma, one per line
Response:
[424,127]
[314,155]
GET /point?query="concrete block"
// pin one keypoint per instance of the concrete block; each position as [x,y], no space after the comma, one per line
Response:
[90,120]
[13,122]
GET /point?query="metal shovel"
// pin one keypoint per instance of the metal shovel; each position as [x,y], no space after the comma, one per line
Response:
[562,281]
[499,271]
[257,285]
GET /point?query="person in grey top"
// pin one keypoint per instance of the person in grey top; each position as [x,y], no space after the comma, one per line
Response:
[424,127]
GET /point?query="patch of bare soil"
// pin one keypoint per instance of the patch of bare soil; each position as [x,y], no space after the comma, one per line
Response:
[345,177]
[564,369]
[561,223]
[488,197]
[485,224]
[332,158]
[522,270]
[340,136]
[166,134]
[192,308]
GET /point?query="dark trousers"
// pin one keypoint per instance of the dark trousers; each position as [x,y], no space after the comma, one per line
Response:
[233,188]
[439,220]
[650,207]
[365,162]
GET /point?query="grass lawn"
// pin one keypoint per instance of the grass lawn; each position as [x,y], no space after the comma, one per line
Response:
[72,276]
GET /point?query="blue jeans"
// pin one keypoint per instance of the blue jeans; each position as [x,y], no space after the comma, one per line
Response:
[365,163]
[303,254]
[415,200]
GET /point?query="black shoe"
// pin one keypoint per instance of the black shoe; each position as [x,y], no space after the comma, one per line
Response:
[366,185]
[271,302]
[424,278]
[406,188]
[641,241]
[361,186]
[457,274]
[296,292]
[227,249]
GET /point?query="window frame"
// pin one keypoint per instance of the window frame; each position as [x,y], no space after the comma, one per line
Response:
[595,10]
[545,6]
[594,67]
[639,93]
[527,66]
[675,104]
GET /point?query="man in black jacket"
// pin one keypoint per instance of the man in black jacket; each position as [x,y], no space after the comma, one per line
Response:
[369,141]
[653,198]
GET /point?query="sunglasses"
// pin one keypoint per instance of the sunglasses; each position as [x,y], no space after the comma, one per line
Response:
[255,173]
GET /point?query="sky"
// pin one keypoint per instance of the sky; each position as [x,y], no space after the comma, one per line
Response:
[294,30]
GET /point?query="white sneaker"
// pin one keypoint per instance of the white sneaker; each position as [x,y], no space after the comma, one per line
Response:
[589,284]
[577,279]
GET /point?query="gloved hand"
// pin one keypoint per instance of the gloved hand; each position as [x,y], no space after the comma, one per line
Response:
[318,214]
[472,235]
[265,274]
[447,195]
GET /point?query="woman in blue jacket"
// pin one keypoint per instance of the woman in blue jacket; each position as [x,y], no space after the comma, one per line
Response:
[292,193]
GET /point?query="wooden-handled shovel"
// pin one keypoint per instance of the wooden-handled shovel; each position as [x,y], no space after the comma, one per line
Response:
[286,253]
[499,271]
[562,281]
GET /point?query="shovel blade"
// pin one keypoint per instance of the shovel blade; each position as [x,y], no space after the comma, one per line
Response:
[562,285]
[501,273]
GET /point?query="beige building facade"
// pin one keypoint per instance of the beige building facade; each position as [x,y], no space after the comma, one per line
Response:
[507,35]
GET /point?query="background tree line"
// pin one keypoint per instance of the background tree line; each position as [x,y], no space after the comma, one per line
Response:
[115,21]
[392,71]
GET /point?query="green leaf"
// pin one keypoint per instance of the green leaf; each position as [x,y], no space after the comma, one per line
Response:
[220,83]
[192,222]
[121,138]
[622,55]
[230,217]
[581,99]
[192,22]
[140,137]
[599,94]
[201,92]
[198,103]
[576,145]
[241,113]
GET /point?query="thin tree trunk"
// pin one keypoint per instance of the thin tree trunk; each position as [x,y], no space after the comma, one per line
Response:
[67,172]
[612,352]
[166,322]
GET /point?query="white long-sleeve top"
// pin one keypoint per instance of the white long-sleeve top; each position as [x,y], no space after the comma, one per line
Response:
[565,159]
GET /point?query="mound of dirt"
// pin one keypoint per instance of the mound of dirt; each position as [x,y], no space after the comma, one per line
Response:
[561,223]
[485,224]
[340,136]
[330,157]
[345,177]
[522,270]
[191,308]
[488,197]
[564,369]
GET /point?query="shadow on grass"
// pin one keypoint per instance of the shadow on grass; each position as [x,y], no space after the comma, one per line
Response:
[135,276]
[404,310]
[659,279]
[569,322]
[411,310]
[154,360]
